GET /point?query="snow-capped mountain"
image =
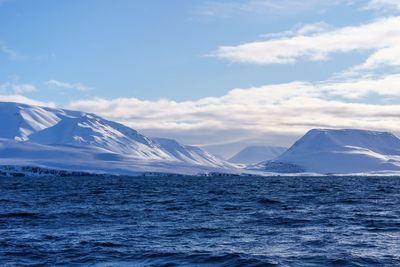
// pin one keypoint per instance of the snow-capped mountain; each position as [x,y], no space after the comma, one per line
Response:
[73,140]
[256,154]
[18,121]
[190,154]
[77,141]
[339,151]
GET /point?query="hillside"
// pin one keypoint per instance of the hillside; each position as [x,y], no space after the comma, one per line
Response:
[339,151]
[74,140]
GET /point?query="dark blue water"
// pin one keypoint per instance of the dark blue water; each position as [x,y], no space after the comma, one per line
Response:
[232,221]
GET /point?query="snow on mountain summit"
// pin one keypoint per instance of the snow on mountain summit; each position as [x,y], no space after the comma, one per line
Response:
[90,130]
[18,121]
[79,141]
[321,139]
[192,154]
[339,151]
[64,127]
[29,130]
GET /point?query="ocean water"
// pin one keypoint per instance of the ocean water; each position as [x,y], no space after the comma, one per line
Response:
[189,221]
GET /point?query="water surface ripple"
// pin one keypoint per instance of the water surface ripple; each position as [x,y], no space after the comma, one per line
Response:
[189,221]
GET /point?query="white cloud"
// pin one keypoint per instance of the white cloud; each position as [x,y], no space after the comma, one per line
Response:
[300,29]
[229,8]
[65,85]
[380,37]
[23,88]
[25,100]
[387,86]
[313,28]
[384,5]
[387,56]
[282,109]
[18,88]
[9,52]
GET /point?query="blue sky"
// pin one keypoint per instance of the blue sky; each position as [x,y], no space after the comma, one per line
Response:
[130,60]
[146,49]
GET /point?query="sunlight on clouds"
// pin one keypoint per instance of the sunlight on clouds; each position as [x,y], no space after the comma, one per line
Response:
[65,85]
[384,5]
[379,36]
[388,85]
[359,97]
[25,100]
[17,88]
[290,108]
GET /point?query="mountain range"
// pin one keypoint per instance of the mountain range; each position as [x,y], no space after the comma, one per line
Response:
[73,140]
[33,138]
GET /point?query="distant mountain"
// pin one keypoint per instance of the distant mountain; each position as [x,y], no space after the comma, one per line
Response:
[226,150]
[190,154]
[73,140]
[56,139]
[256,154]
[339,151]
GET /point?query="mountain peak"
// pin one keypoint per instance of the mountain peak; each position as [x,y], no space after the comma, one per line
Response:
[20,120]
[342,151]
[57,137]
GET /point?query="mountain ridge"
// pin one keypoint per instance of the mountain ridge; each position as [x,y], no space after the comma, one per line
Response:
[52,138]
[339,151]
[70,134]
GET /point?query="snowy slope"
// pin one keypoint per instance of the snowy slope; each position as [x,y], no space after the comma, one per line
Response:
[90,130]
[190,154]
[75,140]
[256,154]
[90,159]
[18,121]
[339,151]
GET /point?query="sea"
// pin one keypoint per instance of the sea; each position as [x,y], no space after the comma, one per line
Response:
[200,221]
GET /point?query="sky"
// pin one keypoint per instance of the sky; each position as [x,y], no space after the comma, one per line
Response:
[208,72]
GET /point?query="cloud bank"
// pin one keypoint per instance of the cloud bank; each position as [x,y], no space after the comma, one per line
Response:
[25,100]
[17,88]
[65,85]
[380,38]
[384,5]
[281,109]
